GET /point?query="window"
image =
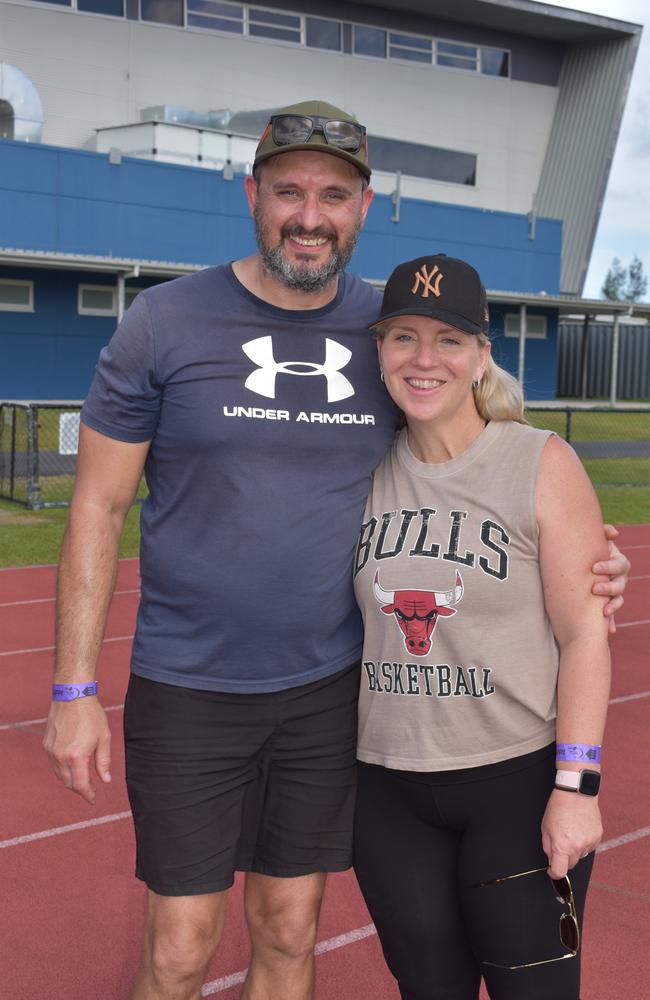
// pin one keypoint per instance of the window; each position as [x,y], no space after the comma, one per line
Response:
[129,295]
[162,11]
[96,300]
[369,42]
[535,326]
[410,47]
[457,56]
[6,120]
[495,62]
[422,161]
[16,296]
[101,300]
[320,34]
[113,7]
[271,24]
[216,16]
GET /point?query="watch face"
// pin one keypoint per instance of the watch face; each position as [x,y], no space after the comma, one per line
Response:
[589,782]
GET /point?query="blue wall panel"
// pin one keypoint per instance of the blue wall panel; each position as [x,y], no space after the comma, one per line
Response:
[74,201]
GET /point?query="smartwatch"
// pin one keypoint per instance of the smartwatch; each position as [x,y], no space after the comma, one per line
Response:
[587,782]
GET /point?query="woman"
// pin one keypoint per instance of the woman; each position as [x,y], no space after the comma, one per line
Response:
[484,647]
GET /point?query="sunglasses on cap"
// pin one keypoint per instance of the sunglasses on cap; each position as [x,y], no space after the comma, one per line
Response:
[290,130]
[569,929]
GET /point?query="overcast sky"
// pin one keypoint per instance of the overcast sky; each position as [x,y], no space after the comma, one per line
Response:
[624,228]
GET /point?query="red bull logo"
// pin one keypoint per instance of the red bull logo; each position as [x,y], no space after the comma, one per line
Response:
[417,611]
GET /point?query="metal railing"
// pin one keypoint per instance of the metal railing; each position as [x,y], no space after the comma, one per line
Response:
[38,446]
[612,442]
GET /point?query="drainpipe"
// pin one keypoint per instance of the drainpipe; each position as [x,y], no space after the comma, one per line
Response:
[121,279]
[614,372]
[523,322]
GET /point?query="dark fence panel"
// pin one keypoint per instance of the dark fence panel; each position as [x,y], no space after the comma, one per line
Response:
[38,452]
[633,380]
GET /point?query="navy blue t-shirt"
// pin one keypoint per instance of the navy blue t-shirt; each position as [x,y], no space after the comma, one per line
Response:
[266,425]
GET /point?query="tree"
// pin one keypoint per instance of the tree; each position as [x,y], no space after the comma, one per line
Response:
[637,283]
[614,282]
[625,284]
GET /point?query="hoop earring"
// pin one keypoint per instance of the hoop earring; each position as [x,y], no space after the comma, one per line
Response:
[476,383]
[381,374]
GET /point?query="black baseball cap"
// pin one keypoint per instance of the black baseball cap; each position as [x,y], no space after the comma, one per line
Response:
[267,147]
[440,287]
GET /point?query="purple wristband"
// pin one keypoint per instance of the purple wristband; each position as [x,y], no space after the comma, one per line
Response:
[70,692]
[578,751]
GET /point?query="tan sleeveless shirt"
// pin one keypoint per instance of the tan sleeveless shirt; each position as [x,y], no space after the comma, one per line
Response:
[459,663]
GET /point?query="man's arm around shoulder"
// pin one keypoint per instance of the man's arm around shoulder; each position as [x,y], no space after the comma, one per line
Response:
[108,474]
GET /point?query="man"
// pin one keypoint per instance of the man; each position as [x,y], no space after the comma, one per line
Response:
[250,396]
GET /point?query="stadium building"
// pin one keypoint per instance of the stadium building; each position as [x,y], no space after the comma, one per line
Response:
[126,127]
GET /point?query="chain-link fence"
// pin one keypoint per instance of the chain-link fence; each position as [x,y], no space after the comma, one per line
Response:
[38,452]
[38,455]
[614,444]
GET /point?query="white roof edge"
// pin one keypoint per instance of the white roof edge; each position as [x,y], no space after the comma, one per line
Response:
[567,304]
[92,262]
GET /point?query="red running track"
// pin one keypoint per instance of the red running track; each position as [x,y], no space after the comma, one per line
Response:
[72,915]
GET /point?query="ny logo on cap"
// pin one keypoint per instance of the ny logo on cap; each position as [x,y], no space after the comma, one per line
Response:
[424,278]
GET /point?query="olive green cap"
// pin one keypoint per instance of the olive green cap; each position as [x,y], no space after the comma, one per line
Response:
[316,142]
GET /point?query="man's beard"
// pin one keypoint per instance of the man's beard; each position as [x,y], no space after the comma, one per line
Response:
[304,277]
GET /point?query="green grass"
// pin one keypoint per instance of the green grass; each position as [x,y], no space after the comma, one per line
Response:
[29,538]
[589,426]
[34,537]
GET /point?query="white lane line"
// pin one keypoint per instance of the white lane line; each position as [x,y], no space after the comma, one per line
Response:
[644,621]
[331,944]
[40,722]
[49,649]
[625,838]
[57,830]
[50,600]
[629,697]
[19,569]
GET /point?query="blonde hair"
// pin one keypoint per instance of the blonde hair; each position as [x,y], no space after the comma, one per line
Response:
[499,396]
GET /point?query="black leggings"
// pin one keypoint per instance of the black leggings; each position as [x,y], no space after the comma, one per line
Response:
[424,841]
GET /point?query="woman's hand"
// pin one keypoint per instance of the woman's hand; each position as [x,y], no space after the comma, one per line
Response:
[571,829]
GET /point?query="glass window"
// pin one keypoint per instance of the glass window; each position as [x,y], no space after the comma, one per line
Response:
[113,7]
[321,34]
[535,326]
[457,56]
[16,296]
[411,41]
[259,16]
[133,10]
[422,161]
[271,24]
[214,23]
[413,55]
[221,10]
[96,300]
[129,295]
[162,11]
[495,62]
[454,49]
[369,42]
[61,3]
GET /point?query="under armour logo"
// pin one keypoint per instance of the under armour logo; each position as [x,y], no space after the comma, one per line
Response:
[262,381]
[423,278]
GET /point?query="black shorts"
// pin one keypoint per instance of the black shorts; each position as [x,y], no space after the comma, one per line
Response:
[222,782]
